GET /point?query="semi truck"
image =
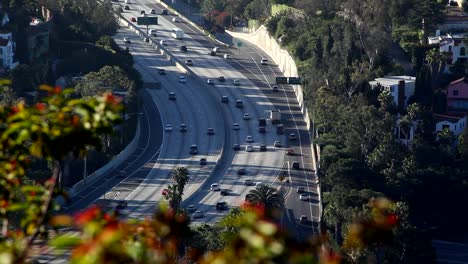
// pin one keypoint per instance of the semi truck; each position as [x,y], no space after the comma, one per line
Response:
[177,33]
[275,116]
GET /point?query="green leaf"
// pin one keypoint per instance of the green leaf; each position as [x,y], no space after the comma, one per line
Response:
[65,241]
[17,207]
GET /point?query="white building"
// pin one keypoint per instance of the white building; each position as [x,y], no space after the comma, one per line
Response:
[454,123]
[400,87]
[454,45]
[6,54]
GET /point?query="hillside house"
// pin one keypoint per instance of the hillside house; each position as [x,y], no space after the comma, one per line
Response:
[400,87]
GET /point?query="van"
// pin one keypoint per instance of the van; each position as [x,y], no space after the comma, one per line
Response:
[153,32]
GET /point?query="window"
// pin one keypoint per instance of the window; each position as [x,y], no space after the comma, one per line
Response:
[462,51]
[455,92]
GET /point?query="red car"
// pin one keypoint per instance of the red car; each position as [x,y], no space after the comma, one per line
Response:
[134,19]
[165,192]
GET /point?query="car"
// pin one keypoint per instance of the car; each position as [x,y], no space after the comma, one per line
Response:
[224,99]
[274,88]
[290,152]
[262,130]
[216,49]
[303,219]
[248,182]
[262,122]
[248,197]
[183,128]
[172,96]
[224,192]
[142,12]
[212,53]
[295,165]
[164,12]
[153,11]
[134,19]
[303,197]
[176,19]
[292,136]
[210,131]
[241,171]
[121,205]
[183,48]
[168,128]
[239,104]
[263,147]
[203,161]
[126,7]
[221,206]
[193,149]
[221,79]
[236,147]
[197,214]
[300,189]
[249,139]
[210,81]
[165,192]
[246,116]
[163,42]
[249,148]
[153,32]
[162,72]
[236,82]
[227,56]
[182,79]
[264,61]
[127,40]
[235,126]
[189,62]
[277,144]
[191,208]
[146,39]
[215,187]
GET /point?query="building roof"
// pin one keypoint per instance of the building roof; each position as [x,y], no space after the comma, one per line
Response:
[4,42]
[448,117]
[464,79]
[392,80]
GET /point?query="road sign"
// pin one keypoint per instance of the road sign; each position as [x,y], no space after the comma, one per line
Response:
[147,20]
[281,80]
[294,80]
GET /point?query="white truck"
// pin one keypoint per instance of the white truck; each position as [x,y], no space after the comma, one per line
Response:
[275,116]
[177,33]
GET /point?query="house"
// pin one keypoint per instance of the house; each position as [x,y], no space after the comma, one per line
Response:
[400,87]
[457,96]
[456,124]
[455,20]
[454,45]
[6,54]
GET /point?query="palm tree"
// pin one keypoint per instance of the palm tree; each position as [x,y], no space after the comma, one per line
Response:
[266,196]
[180,176]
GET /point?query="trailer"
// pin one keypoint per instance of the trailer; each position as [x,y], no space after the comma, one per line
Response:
[177,33]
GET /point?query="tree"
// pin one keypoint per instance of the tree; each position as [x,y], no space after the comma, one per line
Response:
[267,197]
[463,146]
[108,78]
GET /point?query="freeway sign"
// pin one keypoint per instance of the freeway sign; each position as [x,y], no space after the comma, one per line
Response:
[294,80]
[147,20]
[281,80]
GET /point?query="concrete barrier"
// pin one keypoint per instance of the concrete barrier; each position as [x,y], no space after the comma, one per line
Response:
[97,175]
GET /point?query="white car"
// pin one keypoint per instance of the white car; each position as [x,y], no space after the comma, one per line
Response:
[236,82]
[227,56]
[264,61]
[210,81]
[249,148]
[163,42]
[246,116]
[235,126]
[249,139]
[197,214]
[303,197]
[215,187]
[182,79]
[176,19]
[168,128]
[127,40]
[216,49]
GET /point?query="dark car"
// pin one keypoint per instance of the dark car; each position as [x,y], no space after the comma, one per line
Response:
[221,79]
[121,205]
[248,197]
[236,147]
[203,161]
[221,206]
[126,7]
[225,192]
[212,53]
[241,171]
[263,147]
[210,131]
[142,12]
[183,48]
[162,71]
[194,149]
[239,104]
[262,130]
[172,96]
[224,99]
[183,128]
[295,165]
[164,12]
[290,152]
